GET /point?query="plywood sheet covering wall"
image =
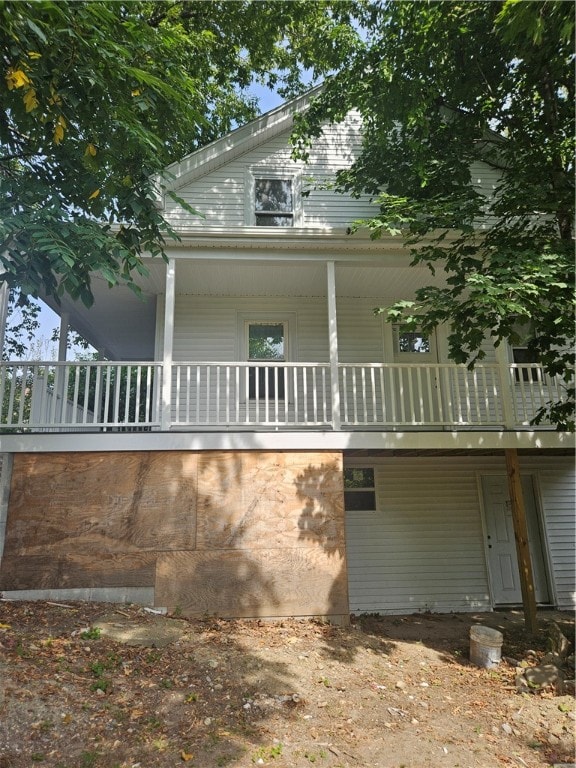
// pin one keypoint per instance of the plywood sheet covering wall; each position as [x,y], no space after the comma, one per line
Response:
[96,519]
[220,533]
[270,538]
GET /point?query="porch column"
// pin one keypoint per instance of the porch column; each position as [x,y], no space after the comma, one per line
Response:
[166,416]
[3,313]
[505,386]
[333,340]
[60,372]
[63,336]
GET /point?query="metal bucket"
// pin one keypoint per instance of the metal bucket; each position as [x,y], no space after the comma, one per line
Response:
[485,646]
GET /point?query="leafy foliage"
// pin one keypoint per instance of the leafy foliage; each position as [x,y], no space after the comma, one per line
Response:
[444,85]
[98,97]
[22,326]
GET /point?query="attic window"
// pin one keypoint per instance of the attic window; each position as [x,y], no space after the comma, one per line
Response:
[274,203]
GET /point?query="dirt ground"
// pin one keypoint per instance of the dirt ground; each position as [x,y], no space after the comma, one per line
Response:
[106,686]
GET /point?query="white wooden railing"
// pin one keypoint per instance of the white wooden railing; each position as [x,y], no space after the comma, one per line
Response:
[251,394]
[432,395]
[85,395]
[94,396]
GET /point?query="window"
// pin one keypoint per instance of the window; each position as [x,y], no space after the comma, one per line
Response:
[273,196]
[524,356]
[273,202]
[266,342]
[411,341]
[359,489]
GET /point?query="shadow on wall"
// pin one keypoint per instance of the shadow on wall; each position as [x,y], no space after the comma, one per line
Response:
[223,574]
[233,534]
[269,540]
[321,524]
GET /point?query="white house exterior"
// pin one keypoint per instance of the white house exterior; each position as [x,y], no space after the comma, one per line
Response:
[258,441]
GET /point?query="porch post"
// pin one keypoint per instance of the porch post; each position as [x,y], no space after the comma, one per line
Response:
[63,336]
[166,416]
[3,313]
[333,340]
[505,386]
[521,536]
[60,372]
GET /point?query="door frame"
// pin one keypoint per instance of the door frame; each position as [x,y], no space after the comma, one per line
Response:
[541,528]
[288,320]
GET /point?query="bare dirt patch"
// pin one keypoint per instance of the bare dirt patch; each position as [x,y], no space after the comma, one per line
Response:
[145,691]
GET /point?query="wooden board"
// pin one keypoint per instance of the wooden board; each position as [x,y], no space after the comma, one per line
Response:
[522,543]
[103,502]
[269,500]
[49,571]
[221,533]
[263,582]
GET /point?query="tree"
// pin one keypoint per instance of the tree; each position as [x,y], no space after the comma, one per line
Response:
[441,85]
[98,97]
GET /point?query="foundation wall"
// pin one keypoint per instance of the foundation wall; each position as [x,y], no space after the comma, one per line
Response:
[232,534]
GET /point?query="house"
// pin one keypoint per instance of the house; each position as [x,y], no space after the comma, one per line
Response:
[257,441]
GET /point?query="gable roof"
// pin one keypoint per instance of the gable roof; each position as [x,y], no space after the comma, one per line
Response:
[235,143]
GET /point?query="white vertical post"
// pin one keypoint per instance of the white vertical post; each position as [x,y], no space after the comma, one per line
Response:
[63,336]
[505,386]
[3,314]
[60,373]
[168,345]
[333,340]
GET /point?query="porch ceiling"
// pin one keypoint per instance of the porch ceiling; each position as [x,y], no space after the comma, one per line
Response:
[122,326]
[246,278]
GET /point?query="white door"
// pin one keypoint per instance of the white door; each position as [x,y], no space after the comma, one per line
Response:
[416,386]
[502,557]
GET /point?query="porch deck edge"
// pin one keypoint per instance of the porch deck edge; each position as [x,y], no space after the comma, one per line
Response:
[285,440]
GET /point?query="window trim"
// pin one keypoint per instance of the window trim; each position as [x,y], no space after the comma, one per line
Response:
[424,357]
[286,173]
[243,322]
[363,489]
[526,375]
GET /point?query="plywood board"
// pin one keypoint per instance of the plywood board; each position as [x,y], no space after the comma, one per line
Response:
[255,500]
[49,571]
[103,502]
[263,582]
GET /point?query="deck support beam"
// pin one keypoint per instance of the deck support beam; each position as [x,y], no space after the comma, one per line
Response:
[521,536]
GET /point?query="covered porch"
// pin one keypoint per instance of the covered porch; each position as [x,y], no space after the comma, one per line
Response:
[178,358]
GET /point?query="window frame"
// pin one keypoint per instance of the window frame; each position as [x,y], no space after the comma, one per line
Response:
[400,356]
[526,375]
[243,322]
[360,490]
[276,173]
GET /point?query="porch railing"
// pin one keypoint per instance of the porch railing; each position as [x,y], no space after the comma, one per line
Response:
[82,395]
[95,396]
[251,394]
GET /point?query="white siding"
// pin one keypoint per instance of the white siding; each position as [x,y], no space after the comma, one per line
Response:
[221,195]
[207,328]
[360,337]
[556,481]
[423,548]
